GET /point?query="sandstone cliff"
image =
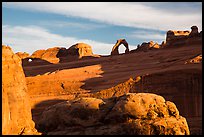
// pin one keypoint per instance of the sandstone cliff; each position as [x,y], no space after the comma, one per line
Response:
[16,110]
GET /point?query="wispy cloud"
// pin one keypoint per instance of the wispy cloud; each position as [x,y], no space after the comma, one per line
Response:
[31,38]
[75,25]
[148,36]
[139,15]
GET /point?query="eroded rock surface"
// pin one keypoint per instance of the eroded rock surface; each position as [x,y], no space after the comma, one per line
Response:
[195,60]
[80,50]
[132,114]
[147,46]
[49,55]
[22,55]
[175,38]
[16,110]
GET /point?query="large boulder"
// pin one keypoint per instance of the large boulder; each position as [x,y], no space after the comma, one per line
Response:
[49,55]
[131,114]
[80,50]
[16,110]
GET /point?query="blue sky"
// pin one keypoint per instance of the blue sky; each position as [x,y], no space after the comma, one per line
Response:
[32,26]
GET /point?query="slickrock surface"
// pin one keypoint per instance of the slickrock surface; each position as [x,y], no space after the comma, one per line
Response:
[16,109]
[132,114]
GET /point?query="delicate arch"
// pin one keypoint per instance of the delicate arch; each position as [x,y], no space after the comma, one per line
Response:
[116,46]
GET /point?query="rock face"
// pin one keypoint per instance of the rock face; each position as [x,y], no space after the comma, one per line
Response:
[118,90]
[197,59]
[22,55]
[194,31]
[147,46]
[80,50]
[16,110]
[49,55]
[175,38]
[131,114]
[116,46]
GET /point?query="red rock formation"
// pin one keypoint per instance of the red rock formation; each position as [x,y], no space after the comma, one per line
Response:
[116,46]
[197,59]
[194,31]
[38,53]
[16,110]
[80,50]
[131,114]
[49,55]
[174,38]
[22,55]
[147,46]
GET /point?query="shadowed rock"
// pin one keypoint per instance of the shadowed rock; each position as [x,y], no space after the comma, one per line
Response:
[131,114]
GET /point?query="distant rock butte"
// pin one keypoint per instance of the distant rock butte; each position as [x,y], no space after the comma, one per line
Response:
[16,110]
[183,37]
[131,114]
[173,38]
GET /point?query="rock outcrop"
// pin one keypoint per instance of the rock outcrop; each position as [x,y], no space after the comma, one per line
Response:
[116,46]
[147,46]
[49,55]
[16,110]
[173,38]
[80,50]
[60,54]
[179,38]
[118,90]
[22,55]
[195,60]
[130,114]
[194,31]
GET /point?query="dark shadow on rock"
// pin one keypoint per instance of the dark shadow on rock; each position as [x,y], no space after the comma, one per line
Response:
[34,62]
[39,66]
[38,109]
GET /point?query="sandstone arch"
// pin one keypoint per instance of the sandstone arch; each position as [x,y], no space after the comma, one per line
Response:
[116,46]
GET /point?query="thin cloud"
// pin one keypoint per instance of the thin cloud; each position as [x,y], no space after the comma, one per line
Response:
[148,36]
[138,15]
[76,25]
[32,38]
